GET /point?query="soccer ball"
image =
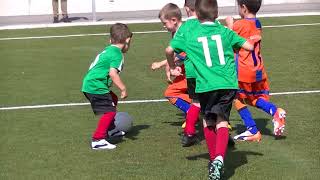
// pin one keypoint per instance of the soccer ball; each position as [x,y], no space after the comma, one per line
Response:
[123,121]
[122,124]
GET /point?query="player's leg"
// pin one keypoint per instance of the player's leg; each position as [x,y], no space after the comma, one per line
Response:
[262,102]
[216,112]
[252,133]
[177,95]
[189,136]
[55,9]
[244,93]
[104,107]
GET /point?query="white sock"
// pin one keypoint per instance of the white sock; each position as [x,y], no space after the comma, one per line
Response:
[219,158]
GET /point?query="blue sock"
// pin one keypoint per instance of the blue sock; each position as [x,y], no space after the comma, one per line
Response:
[247,120]
[182,105]
[266,106]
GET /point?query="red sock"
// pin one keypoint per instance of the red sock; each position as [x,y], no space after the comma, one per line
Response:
[191,119]
[210,136]
[222,141]
[103,124]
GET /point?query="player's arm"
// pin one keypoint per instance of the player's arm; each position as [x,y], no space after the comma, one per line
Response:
[247,46]
[174,70]
[229,22]
[114,75]
[158,64]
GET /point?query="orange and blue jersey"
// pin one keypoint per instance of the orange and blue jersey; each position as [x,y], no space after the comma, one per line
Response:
[250,65]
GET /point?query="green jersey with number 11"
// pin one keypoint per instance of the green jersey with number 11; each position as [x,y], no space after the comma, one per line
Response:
[209,46]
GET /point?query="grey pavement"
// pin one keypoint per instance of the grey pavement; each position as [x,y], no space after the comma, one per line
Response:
[151,14]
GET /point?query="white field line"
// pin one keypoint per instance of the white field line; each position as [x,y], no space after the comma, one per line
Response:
[154,20]
[131,102]
[143,32]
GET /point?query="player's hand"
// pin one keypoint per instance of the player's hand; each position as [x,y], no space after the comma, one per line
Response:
[255,38]
[169,80]
[229,22]
[124,94]
[176,71]
[155,65]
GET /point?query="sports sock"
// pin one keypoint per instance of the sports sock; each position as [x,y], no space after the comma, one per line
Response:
[103,124]
[247,120]
[222,141]
[182,105]
[191,119]
[210,136]
[266,106]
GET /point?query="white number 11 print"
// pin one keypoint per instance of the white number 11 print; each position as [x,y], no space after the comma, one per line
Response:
[205,46]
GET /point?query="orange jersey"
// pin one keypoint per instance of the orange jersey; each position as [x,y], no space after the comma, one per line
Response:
[249,63]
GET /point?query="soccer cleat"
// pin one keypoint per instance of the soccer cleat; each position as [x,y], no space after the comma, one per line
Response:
[65,19]
[248,136]
[279,122]
[215,169]
[188,140]
[183,125]
[116,133]
[55,19]
[101,144]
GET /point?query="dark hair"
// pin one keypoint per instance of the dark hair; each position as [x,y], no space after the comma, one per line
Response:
[252,5]
[169,11]
[207,10]
[119,33]
[190,4]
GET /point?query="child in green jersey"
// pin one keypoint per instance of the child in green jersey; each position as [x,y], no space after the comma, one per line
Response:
[180,91]
[103,72]
[209,46]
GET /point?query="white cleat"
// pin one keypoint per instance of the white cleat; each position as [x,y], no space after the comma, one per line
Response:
[102,144]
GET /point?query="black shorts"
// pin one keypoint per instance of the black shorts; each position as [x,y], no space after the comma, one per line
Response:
[217,103]
[101,103]
[191,84]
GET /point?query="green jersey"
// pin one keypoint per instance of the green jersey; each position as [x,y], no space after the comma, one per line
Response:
[209,46]
[97,79]
[182,30]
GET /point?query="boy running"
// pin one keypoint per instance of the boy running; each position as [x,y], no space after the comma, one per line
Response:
[252,77]
[209,46]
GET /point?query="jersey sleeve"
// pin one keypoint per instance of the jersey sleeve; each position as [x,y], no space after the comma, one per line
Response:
[117,62]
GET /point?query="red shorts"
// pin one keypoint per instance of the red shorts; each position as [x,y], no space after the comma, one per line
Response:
[252,91]
[178,89]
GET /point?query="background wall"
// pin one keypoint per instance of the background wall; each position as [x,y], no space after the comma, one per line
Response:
[39,7]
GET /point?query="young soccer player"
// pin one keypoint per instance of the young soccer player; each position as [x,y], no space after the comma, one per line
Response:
[209,46]
[176,92]
[252,77]
[103,72]
[184,84]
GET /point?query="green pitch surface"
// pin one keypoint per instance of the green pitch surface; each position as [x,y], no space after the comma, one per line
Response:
[53,143]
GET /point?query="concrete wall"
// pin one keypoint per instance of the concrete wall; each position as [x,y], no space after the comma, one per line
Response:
[39,7]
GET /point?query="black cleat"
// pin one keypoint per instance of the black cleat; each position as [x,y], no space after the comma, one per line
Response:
[65,19]
[55,19]
[188,140]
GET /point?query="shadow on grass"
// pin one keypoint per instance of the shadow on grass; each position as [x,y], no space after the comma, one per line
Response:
[262,126]
[234,159]
[132,134]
